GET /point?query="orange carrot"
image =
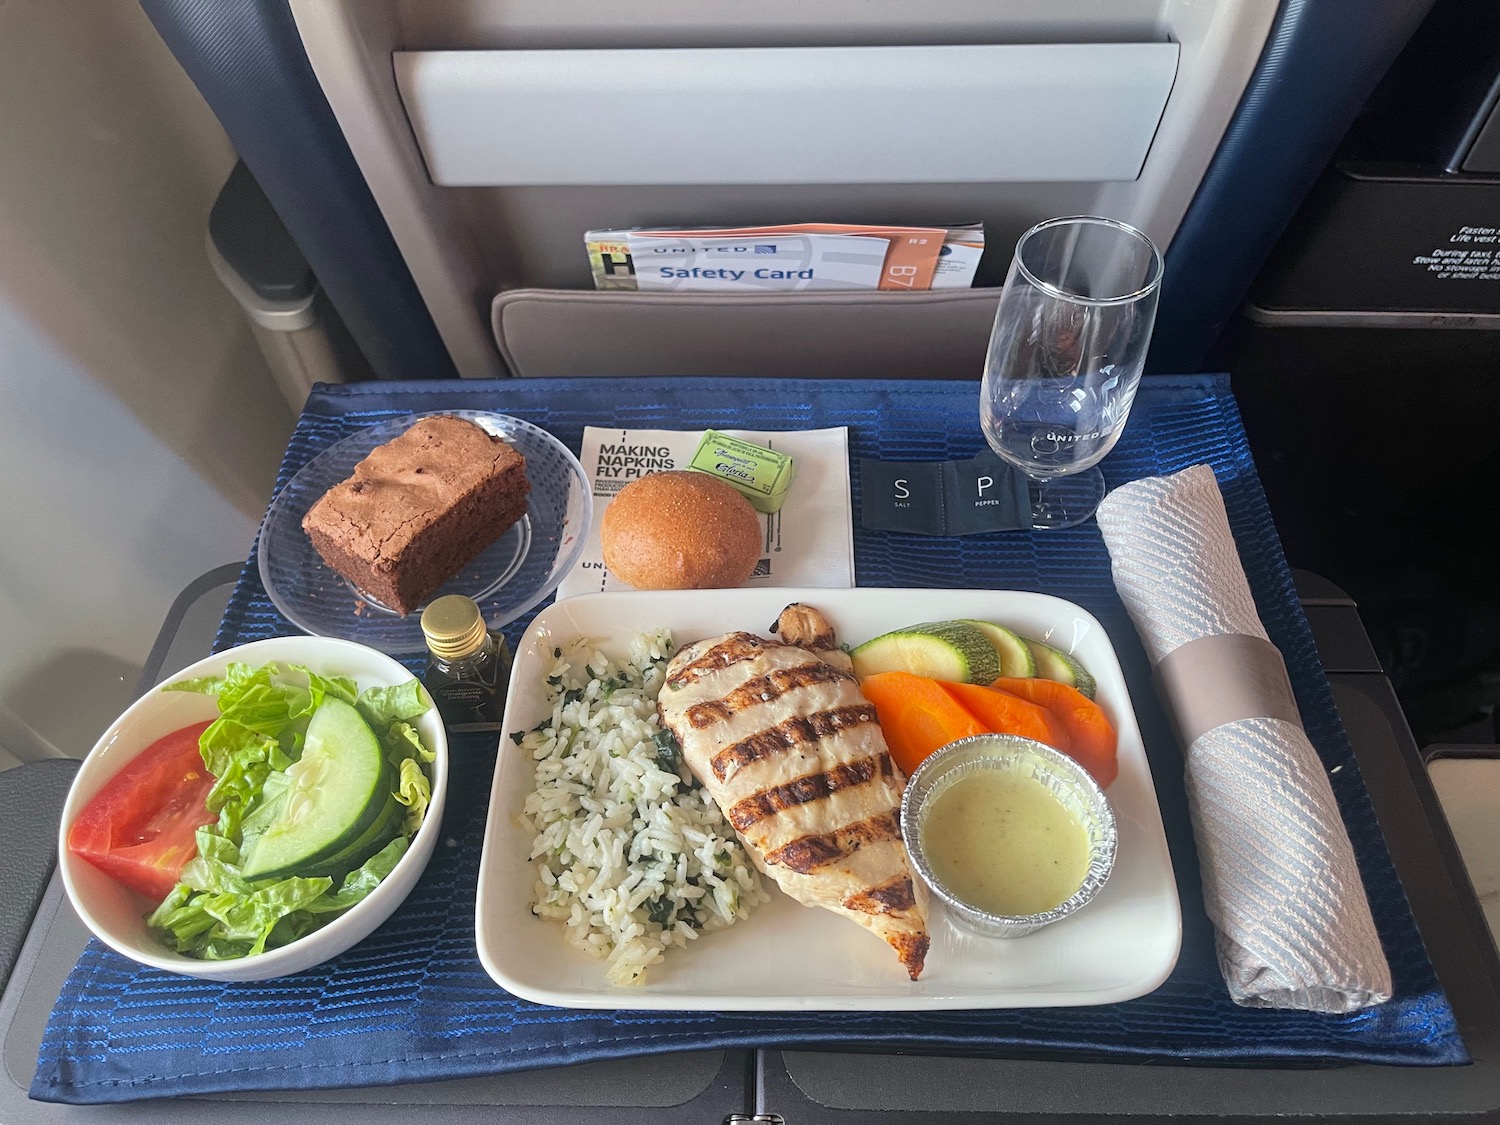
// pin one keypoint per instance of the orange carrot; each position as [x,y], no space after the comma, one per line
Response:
[916,716]
[1007,713]
[1092,734]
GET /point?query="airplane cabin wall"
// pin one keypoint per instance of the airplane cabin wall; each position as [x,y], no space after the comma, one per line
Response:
[139,427]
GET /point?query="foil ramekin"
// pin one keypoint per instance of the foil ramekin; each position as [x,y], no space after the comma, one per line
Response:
[1062,776]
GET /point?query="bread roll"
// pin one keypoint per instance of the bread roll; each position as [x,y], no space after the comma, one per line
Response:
[680,531]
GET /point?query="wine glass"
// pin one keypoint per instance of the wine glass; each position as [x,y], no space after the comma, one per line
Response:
[1065,357]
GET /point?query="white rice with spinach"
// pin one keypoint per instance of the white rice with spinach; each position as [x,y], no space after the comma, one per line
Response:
[631,853]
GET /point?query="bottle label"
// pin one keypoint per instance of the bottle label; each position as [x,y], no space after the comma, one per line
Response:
[467,706]
[470,694]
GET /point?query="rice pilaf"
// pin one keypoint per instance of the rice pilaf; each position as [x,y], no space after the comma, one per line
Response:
[630,853]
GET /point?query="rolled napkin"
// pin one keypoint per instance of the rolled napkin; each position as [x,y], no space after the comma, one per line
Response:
[1292,923]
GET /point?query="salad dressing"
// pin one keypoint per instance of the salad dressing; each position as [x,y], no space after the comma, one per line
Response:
[468,667]
[1003,843]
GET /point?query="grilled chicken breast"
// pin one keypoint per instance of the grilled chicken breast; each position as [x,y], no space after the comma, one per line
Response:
[780,736]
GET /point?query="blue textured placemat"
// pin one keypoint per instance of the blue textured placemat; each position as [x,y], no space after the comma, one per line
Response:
[412,1002]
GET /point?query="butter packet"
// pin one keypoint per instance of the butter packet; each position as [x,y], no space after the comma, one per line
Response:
[761,475]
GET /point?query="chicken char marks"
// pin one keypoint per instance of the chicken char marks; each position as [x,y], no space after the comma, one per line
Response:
[780,736]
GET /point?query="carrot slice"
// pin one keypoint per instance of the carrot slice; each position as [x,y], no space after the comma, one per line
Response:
[1092,735]
[916,716]
[1007,713]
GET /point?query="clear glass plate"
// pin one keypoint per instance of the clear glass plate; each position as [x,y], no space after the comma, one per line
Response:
[508,578]
[788,957]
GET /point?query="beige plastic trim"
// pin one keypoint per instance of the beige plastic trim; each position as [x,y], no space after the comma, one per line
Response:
[276,316]
[1031,112]
[465,244]
[350,50]
[934,335]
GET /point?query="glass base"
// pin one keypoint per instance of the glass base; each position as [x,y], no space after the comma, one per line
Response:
[1065,501]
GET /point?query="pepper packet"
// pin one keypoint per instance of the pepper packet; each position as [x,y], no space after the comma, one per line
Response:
[968,497]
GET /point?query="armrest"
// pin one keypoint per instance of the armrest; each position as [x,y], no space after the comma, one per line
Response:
[31,800]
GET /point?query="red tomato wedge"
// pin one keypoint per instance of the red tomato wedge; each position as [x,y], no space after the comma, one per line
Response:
[1092,735]
[916,716]
[140,827]
[1006,713]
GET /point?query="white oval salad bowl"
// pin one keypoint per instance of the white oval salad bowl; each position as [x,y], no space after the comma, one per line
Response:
[116,913]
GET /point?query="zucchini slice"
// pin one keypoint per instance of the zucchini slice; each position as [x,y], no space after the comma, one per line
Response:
[1015,655]
[940,650]
[1055,664]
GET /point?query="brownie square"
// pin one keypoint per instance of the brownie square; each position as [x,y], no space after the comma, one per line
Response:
[418,509]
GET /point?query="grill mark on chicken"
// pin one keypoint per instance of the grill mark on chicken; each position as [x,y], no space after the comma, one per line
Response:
[785,767]
[789,734]
[890,897]
[813,787]
[808,853]
[762,689]
[733,649]
[912,949]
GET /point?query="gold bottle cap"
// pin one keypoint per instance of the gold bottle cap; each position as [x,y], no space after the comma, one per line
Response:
[453,626]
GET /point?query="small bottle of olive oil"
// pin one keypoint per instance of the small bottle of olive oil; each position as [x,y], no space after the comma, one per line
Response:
[468,667]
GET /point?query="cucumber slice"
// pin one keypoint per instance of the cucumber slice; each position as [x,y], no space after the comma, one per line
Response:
[939,650]
[338,787]
[1015,656]
[381,832]
[1055,664]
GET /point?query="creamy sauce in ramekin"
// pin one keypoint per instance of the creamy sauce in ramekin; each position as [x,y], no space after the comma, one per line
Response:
[1003,843]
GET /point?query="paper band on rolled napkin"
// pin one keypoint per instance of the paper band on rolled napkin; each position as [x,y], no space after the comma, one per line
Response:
[1223,678]
[1280,882]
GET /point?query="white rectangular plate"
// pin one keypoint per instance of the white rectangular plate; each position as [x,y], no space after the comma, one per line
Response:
[788,957]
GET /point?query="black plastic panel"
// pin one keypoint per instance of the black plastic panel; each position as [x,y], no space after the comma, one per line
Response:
[1382,239]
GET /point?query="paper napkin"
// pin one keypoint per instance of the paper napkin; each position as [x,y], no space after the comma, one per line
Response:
[810,542]
[1280,883]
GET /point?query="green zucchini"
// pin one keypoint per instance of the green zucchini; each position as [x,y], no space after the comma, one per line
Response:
[940,650]
[338,788]
[1015,655]
[1055,664]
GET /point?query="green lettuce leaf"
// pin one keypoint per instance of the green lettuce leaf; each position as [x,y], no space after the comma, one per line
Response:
[402,741]
[357,885]
[339,687]
[414,791]
[382,706]
[215,913]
